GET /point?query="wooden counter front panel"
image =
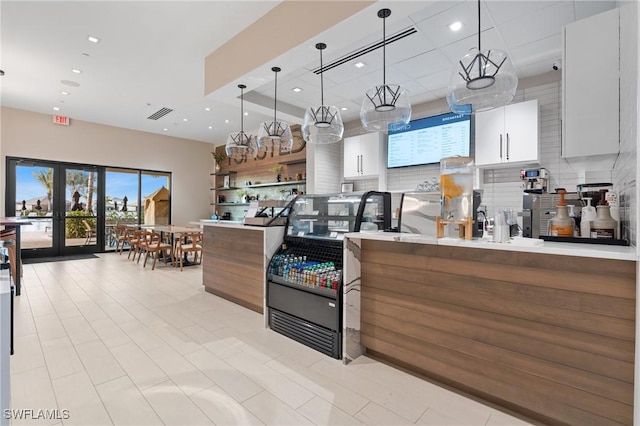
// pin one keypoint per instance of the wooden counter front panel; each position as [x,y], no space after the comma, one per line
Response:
[233,265]
[549,336]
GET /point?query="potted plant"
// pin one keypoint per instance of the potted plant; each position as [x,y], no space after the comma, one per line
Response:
[277,170]
[243,196]
[218,157]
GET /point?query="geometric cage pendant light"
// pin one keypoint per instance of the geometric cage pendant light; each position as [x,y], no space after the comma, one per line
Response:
[323,124]
[275,133]
[387,106]
[239,144]
[482,80]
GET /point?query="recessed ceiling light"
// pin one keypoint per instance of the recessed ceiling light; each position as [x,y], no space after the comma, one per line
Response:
[207,109]
[210,127]
[226,121]
[165,129]
[64,93]
[70,83]
[56,108]
[246,113]
[456,26]
[344,109]
[359,64]
[76,71]
[185,119]
[297,89]
[93,39]
[84,54]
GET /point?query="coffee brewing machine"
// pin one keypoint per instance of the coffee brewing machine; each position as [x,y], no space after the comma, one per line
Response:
[535,180]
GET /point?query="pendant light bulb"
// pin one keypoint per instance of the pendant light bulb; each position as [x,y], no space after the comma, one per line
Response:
[275,133]
[323,124]
[482,80]
[387,106]
[239,144]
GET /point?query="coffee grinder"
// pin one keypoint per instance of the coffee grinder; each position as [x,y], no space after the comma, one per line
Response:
[535,180]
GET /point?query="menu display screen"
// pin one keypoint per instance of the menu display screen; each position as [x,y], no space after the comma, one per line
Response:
[427,140]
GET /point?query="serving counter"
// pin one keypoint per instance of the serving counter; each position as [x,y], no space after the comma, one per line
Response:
[547,331]
[235,260]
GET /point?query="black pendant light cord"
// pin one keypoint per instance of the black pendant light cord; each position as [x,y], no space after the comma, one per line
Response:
[275,95]
[321,78]
[479,48]
[384,51]
[242,109]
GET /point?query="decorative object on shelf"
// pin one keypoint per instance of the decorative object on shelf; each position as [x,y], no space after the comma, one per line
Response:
[386,105]
[275,133]
[218,157]
[239,144]
[277,170]
[243,196]
[484,79]
[322,124]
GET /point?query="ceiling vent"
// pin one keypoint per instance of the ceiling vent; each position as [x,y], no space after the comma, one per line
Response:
[364,50]
[159,113]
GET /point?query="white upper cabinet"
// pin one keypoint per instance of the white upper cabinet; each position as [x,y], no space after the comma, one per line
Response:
[362,155]
[508,135]
[590,82]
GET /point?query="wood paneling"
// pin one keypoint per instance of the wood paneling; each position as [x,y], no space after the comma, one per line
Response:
[549,336]
[233,265]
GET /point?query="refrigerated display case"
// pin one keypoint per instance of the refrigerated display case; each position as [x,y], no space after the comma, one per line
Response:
[304,277]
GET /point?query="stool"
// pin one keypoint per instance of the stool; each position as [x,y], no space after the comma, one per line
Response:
[465,227]
[10,246]
[8,240]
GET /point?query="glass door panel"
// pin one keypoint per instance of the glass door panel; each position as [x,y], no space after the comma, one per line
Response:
[34,199]
[80,208]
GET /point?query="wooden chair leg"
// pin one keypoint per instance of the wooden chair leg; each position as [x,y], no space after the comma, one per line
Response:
[155,257]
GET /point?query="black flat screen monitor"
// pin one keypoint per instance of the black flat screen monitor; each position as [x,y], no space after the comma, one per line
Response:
[427,140]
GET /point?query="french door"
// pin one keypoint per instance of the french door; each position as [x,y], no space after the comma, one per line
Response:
[63,202]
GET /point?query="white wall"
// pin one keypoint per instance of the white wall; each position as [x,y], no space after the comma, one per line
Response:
[33,135]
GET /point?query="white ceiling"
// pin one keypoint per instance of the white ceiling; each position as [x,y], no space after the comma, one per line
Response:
[151,55]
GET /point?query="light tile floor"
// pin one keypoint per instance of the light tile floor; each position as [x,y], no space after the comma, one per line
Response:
[115,343]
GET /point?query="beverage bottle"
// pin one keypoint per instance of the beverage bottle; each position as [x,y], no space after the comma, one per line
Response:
[604,226]
[562,225]
[588,215]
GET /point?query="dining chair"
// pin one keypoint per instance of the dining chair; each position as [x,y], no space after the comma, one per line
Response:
[120,236]
[154,246]
[135,238]
[90,232]
[189,242]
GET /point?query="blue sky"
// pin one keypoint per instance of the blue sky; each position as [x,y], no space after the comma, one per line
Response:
[117,185]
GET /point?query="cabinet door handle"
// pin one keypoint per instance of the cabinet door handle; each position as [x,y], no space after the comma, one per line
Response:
[507,146]
[361,168]
[501,146]
[358,164]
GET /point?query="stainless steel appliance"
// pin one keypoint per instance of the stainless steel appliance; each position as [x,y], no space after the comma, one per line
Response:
[536,180]
[537,209]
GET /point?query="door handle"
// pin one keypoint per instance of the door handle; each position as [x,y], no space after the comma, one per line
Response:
[507,146]
[501,146]
[361,165]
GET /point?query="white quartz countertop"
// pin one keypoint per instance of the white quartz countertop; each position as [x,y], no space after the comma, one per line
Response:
[527,245]
[228,224]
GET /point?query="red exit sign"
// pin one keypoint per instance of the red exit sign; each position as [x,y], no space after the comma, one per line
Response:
[61,119]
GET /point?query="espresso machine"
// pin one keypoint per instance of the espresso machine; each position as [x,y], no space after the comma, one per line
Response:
[535,180]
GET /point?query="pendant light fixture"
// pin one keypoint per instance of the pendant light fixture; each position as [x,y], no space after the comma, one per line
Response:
[275,133]
[385,106]
[322,125]
[482,80]
[239,144]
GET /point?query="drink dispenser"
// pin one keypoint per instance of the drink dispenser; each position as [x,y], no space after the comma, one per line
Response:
[456,188]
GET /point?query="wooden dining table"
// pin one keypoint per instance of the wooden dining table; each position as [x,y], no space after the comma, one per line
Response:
[172,231]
